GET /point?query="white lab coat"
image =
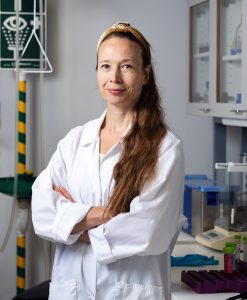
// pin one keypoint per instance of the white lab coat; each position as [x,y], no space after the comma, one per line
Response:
[128,257]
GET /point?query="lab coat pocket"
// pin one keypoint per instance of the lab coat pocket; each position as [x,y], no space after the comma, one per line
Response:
[127,291]
[65,290]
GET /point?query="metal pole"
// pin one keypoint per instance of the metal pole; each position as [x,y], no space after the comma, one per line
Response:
[20,261]
[22,125]
[21,168]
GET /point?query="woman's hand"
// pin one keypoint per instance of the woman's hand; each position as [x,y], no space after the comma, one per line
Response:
[62,191]
[96,215]
[85,237]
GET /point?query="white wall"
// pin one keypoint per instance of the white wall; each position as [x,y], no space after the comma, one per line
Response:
[71,95]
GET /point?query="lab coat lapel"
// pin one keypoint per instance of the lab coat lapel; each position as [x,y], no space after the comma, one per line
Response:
[91,140]
[95,179]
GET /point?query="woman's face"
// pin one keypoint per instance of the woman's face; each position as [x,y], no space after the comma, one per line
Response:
[120,72]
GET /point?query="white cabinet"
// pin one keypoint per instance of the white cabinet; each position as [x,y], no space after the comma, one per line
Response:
[218,58]
[200,89]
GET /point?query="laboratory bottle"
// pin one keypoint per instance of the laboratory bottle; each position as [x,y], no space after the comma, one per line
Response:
[222,220]
[245,249]
[234,246]
[228,259]
[237,238]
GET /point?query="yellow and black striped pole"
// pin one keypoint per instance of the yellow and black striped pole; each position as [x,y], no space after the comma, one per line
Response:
[20,280]
[21,168]
[22,126]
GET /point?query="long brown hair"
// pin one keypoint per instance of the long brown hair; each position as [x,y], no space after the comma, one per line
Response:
[139,156]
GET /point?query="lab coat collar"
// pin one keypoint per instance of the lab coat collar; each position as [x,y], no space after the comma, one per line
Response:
[91,132]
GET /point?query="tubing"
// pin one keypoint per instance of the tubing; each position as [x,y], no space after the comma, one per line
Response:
[47,249]
[10,225]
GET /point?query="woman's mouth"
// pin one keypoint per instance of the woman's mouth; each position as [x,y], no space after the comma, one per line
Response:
[115,91]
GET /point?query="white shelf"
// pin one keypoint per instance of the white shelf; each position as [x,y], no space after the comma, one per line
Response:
[202,55]
[232,167]
[234,122]
[236,57]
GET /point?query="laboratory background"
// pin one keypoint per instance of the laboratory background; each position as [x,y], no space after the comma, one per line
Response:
[199,50]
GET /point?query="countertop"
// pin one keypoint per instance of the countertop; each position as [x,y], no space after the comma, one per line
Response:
[180,291]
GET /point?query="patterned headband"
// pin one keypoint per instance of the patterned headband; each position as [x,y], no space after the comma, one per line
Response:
[126,27]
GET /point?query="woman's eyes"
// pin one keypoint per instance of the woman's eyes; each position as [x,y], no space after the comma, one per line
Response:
[127,66]
[124,66]
[105,66]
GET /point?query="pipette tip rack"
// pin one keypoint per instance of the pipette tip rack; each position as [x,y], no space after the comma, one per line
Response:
[216,281]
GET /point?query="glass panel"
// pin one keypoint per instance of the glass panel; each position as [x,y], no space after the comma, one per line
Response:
[233,205]
[225,200]
[199,76]
[230,54]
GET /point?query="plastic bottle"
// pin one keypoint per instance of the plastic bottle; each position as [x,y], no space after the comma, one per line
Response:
[245,249]
[231,244]
[234,246]
[228,259]
[238,248]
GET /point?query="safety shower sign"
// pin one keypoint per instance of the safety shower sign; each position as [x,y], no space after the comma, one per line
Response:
[32,57]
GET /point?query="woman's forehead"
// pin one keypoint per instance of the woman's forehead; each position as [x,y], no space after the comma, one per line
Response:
[117,46]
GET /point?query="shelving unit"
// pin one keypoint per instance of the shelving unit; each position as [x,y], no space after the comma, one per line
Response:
[230,58]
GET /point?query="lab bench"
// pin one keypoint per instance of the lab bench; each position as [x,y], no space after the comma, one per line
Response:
[180,291]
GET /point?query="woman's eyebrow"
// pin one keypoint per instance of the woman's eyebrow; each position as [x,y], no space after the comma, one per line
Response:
[122,60]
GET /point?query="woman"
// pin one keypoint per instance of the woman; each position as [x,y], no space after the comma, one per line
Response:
[111,195]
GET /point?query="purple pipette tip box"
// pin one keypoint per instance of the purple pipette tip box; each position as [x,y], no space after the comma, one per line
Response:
[215,281]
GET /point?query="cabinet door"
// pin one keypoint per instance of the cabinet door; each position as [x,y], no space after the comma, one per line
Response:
[231,59]
[200,100]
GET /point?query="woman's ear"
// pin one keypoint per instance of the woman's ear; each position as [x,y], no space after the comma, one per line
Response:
[146,74]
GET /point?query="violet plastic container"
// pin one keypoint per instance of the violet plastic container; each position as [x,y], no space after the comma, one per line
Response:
[214,281]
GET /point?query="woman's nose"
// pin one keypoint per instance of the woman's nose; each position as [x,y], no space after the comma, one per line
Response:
[115,75]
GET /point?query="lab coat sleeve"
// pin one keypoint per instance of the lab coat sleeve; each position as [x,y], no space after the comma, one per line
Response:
[154,219]
[53,216]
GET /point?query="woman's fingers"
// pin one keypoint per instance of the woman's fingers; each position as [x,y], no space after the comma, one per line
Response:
[56,189]
[62,191]
[66,194]
[85,237]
